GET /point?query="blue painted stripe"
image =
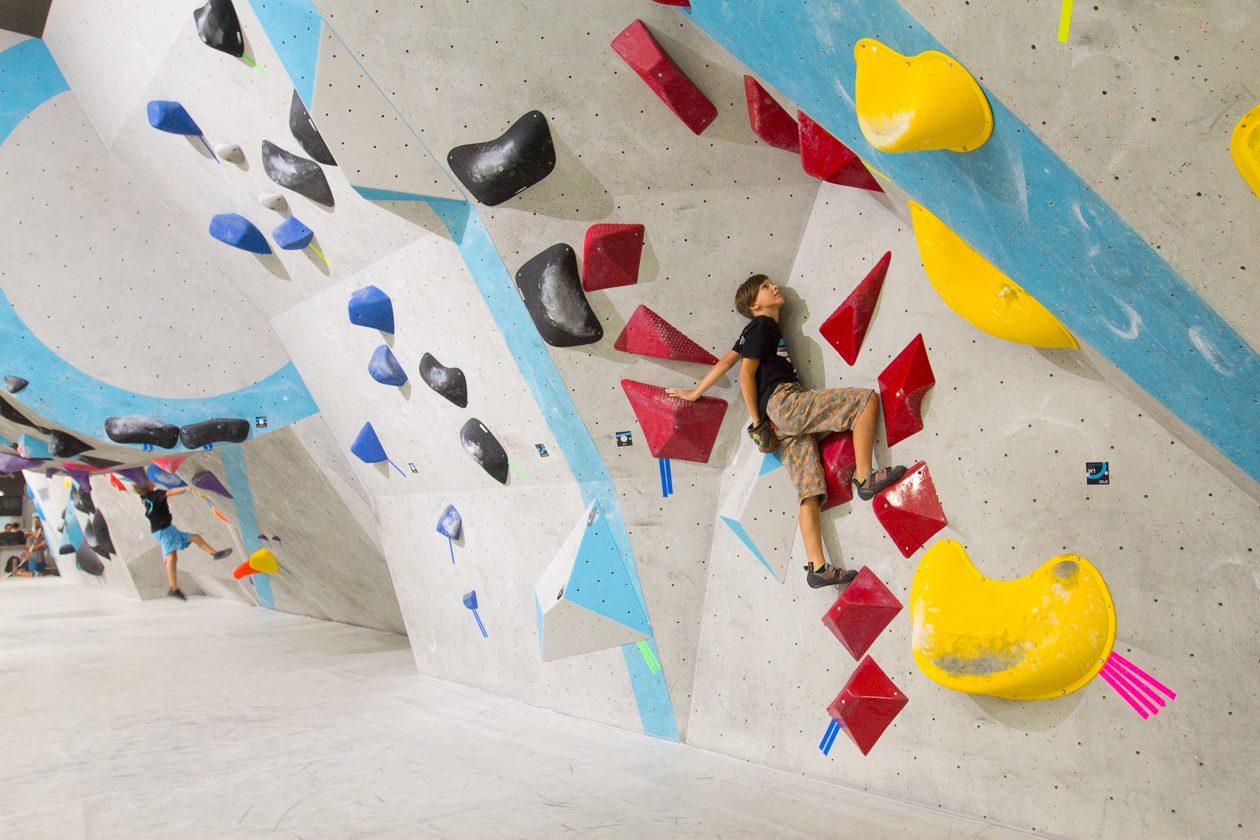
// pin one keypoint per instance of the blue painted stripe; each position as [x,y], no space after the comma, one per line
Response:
[1024,209]
[28,78]
[656,711]
[233,457]
[374,194]
[294,28]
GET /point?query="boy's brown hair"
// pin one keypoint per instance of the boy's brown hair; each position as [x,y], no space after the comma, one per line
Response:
[746,294]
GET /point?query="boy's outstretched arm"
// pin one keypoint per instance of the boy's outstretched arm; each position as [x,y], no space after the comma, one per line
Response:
[715,373]
[175,491]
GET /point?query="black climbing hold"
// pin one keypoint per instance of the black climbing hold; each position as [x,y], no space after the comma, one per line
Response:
[11,414]
[101,463]
[499,169]
[13,384]
[66,548]
[485,448]
[304,131]
[135,428]
[96,534]
[218,430]
[219,27]
[552,290]
[81,501]
[63,445]
[447,381]
[88,560]
[302,176]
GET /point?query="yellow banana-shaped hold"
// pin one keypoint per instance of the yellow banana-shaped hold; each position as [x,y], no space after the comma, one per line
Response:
[1043,635]
[264,561]
[920,103]
[1244,148]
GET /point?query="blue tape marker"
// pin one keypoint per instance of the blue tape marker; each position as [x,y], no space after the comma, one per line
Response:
[660,466]
[482,627]
[669,478]
[451,544]
[829,737]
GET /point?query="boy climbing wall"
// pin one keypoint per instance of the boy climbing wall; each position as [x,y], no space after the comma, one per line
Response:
[779,405]
[172,540]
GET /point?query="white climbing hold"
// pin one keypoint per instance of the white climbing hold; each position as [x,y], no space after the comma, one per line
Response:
[230,152]
[273,201]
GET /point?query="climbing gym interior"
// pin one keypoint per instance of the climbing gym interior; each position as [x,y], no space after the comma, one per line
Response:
[351,355]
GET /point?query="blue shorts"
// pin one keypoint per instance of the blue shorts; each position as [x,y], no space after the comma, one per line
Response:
[172,539]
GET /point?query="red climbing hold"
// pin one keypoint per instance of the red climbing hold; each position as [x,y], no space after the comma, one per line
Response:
[867,704]
[648,334]
[910,510]
[768,119]
[686,3]
[675,428]
[640,50]
[610,256]
[861,612]
[825,157]
[902,386]
[846,327]
[839,461]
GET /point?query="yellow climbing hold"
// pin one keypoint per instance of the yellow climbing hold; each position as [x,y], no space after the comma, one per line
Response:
[1043,635]
[1244,147]
[918,104]
[264,561]
[980,293]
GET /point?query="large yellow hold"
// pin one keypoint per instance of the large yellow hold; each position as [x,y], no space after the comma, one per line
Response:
[1043,635]
[264,561]
[918,104]
[1244,148]
[980,293]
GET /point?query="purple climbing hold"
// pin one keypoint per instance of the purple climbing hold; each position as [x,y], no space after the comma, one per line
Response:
[16,463]
[208,481]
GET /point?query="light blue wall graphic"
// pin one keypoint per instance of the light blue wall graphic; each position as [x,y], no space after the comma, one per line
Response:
[233,458]
[294,29]
[28,78]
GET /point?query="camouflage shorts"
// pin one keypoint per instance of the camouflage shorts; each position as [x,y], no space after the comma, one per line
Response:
[798,416]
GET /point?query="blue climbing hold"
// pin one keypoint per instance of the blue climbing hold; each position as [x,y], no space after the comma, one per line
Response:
[292,235]
[163,478]
[239,232]
[171,117]
[367,446]
[450,524]
[385,369]
[470,600]
[370,307]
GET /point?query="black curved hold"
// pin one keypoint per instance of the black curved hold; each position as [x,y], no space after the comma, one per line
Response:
[88,560]
[447,381]
[303,129]
[63,445]
[13,384]
[96,534]
[219,27]
[82,501]
[552,290]
[66,548]
[136,428]
[499,169]
[485,449]
[218,430]
[100,463]
[302,176]
[11,414]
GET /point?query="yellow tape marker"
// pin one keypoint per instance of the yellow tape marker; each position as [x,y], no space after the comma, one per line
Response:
[1065,21]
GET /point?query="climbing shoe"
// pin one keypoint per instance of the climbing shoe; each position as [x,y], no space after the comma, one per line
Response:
[877,480]
[828,575]
[219,555]
[177,593]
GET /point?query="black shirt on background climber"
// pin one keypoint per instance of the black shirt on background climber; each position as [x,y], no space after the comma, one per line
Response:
[762,340]
[156,509]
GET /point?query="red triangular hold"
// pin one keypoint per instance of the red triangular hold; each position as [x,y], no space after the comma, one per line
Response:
[825,157]
[768,119]
[675,428]
[910,510]
[118,485]
[861,612]
[846,327]
[839,461]
[902,387]
[648,334]
[639,49]
[867,704]
[686,3]
[611,255]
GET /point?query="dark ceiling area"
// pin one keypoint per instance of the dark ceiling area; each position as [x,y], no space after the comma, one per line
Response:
[24,16]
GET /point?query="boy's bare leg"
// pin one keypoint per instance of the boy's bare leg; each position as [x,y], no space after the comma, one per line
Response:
[864,438]
[196,540]
[171,579]
[811,533]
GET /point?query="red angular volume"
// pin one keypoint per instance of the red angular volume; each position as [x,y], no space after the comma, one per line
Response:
[867,704]
[768,119]
[902,387]
[675,428]
[825,157]
[910,510]
[839,461]
[686,3]
[648,334]
[611,255]
[846,328]
[861,612]
[639,49]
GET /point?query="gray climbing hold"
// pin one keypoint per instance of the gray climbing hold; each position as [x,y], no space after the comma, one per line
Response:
[499,169]
[273,201]
[447,381]
[220,28]
[63,445]
[304,131]
[13,384]
[135,428]
[82,501]
[552,290]
[485,449]
[384,367]
[96,534]
[88,560]
[218,430]
[297,173]
[230,152]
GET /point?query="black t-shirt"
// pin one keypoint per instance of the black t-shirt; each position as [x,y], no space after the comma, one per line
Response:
[156,509]
[763,341]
